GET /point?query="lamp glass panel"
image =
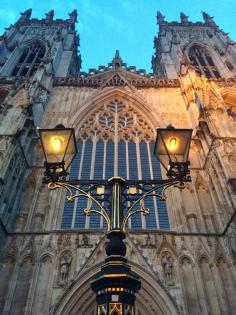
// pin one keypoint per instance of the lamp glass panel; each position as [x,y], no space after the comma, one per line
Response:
[71,151]
[58,145]
[172,144]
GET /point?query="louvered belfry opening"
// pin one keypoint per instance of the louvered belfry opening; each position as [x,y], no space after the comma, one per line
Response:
[29,61]
[203,62]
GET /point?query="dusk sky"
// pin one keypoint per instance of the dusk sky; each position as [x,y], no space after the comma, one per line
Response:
[127,25]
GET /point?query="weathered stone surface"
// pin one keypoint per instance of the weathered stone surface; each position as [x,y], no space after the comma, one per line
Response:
[189,270]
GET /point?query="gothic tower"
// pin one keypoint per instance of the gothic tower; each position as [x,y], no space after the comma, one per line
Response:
[204,45]
[185,251]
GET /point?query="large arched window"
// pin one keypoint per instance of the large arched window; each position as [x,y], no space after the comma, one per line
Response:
[203,62]
[29,60]
[116,141]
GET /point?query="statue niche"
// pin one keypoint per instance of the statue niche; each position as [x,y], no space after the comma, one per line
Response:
[64,268]
[168,268]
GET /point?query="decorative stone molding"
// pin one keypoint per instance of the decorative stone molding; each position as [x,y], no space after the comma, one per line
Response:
[94,82]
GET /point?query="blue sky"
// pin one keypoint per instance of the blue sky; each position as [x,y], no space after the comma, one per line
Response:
[127,25]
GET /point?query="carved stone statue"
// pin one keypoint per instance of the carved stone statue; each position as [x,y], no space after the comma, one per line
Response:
[85,241]
[42,96]
[168,266]
[65,263]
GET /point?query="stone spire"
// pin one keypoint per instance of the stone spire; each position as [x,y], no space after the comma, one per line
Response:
[208,19]
[73,19]
[160,18]
[73,16]
[184,18]
[49,16]
[117,62]
[25,16]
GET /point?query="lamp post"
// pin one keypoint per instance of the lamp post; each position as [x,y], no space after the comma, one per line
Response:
[116,201]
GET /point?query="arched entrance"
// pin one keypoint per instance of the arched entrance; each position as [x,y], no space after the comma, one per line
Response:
[152,299]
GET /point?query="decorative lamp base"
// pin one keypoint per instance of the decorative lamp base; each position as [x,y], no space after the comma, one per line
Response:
[116,285]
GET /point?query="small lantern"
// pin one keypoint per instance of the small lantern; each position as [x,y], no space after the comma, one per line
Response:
[172,150]
[59,146]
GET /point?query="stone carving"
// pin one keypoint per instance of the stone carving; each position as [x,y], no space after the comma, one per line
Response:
[11,250]
[149,242]
[46,259]
[116,120]
[85,241]
[42,96]
[168,267]
[41,31]
[146,81]
[64,268]
[29,249]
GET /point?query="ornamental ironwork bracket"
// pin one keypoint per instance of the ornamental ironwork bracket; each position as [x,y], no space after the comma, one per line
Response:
[116,199]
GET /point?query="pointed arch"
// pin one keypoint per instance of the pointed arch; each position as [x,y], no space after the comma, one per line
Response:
[229,96]
[203,58]
[151,300]
[30,54]
[35,40]
[110,94]
[203,258]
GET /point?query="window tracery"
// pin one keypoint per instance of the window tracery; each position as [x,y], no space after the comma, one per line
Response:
[115,140]
[203,62]
[117,121]
[29,60]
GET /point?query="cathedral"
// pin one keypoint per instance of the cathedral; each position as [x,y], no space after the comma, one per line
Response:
[184,251]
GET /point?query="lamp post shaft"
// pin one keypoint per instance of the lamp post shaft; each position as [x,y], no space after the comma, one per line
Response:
[117,184]
[116,284]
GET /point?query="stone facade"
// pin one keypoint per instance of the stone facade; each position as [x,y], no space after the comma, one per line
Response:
[189,269]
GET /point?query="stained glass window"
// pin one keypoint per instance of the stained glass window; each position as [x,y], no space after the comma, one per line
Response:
[119,143]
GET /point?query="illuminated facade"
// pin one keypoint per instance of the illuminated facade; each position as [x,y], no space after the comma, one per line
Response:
[185,250]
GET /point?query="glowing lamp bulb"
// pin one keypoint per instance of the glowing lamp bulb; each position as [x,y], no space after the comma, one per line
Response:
[172,144]
[57,144]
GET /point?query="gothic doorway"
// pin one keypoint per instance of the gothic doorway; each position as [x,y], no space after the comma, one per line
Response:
[152,299]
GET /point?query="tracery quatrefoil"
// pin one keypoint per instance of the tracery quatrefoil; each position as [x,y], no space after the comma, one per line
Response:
[117,120]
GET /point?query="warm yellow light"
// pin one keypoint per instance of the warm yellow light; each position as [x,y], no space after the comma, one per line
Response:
[132,190]
[100,190]
[57,144]
[172,144]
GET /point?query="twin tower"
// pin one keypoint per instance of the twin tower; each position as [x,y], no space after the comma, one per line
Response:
[51,46]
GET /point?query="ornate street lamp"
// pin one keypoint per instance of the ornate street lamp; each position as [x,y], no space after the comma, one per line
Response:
[172,150]
[116,201]
[59,147]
